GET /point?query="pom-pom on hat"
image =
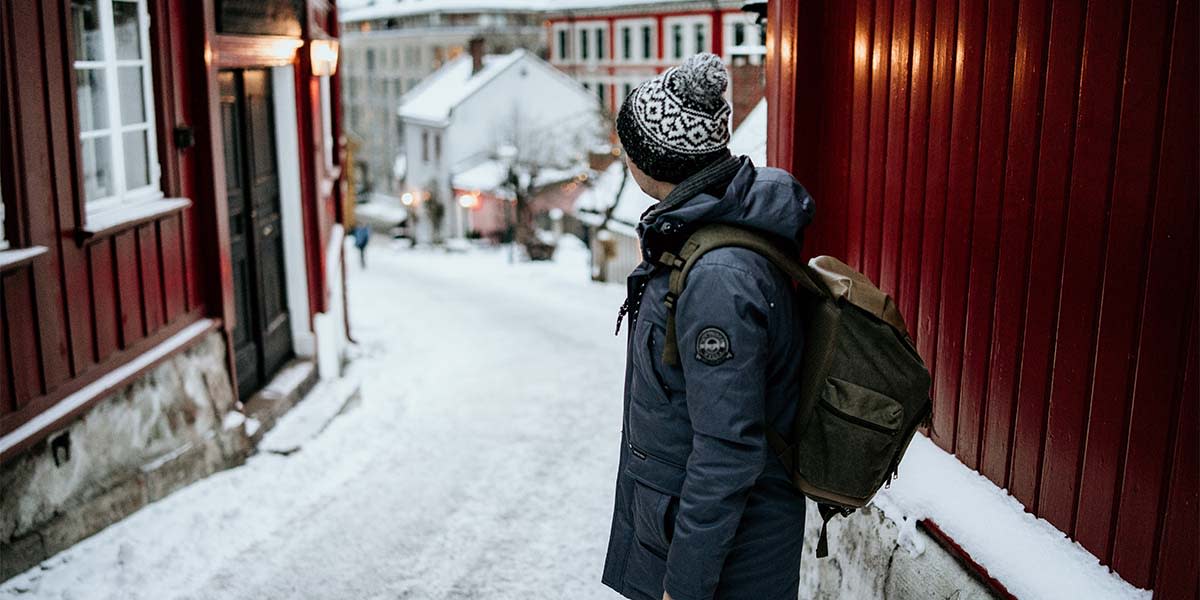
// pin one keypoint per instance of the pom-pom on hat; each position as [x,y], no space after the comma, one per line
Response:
[677,123]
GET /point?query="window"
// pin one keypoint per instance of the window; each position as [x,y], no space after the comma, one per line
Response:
[626,43]
[437,146]
[425,146]
[116,102]
[583,44]
[739,34]
[701,38]
[371,60]
[647,42]
[562,44]
[600,49]
[602,94]
[628,89]
[677,39]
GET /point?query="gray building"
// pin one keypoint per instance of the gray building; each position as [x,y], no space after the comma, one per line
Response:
[389,46]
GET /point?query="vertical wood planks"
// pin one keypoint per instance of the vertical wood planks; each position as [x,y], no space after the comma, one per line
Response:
[1165,310]
[105,303]
[1147,52]
[985,225]
[1016,226]
[23,349]
[1049,218]
[1022,177]
[152,295]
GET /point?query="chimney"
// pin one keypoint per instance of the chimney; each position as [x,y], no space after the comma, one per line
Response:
[476,45]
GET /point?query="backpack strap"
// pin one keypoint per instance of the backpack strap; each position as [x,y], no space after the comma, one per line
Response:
[710,238]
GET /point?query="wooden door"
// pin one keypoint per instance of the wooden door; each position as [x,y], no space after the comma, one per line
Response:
[262,337]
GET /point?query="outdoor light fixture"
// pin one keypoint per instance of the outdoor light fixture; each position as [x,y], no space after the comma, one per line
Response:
[406,199]
[324,55]
[468,201]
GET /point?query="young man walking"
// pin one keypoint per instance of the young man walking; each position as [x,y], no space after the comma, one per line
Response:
[704,509]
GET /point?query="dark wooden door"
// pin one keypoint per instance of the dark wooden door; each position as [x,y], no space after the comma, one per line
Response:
[262,337]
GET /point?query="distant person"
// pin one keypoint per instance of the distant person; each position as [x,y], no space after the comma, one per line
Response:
[704,509]
[362,236]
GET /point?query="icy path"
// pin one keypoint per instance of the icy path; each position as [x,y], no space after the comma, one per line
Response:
[479,465]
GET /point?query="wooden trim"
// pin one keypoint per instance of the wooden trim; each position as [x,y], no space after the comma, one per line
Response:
[115,221]
[13,259]
[240,51]
[964,557]
[33,423]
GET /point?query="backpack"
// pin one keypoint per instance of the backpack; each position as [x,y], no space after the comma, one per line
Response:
[864,389]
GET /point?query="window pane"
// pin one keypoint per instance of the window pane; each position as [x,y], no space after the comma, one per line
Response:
[133,102]
[137,160]
[626,43]
[583,43]
[701,38]
[97,168]
[677,37]
[128,33]
[739,34]
[600,44]
[647,49]
[93,100]
[85,29]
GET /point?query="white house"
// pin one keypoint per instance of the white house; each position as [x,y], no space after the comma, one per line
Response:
[466,112]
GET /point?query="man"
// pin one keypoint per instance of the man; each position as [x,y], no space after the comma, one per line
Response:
[703,508]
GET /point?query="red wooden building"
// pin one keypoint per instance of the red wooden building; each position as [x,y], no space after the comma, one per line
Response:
[613,47]
[169,172]
[1022,176]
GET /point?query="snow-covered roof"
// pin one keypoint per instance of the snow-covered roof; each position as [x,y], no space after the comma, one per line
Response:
[751,136]
[435,97]
[600,196]
[366,10]
[486,176]
[385,9]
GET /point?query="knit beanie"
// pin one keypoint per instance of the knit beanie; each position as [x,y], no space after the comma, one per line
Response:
[676,124]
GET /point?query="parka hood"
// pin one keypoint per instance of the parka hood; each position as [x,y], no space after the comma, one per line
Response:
[766,199]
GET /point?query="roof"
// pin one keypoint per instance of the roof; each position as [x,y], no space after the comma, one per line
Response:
[751,136]
[435,97]
[365,10]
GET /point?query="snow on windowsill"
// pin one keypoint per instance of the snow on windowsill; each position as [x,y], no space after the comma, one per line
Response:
[1027,555]
[11,259]
[124,217]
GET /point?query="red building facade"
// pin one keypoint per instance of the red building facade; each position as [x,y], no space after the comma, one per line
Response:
[612,49]
[127,124]
[1021,176]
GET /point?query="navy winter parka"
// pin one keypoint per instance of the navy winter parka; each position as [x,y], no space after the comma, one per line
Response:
[704,509]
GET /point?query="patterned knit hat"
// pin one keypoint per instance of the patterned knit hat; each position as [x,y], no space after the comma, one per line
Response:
[677,123]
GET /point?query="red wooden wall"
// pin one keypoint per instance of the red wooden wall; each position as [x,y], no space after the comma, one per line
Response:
[1022,177]
[85,306]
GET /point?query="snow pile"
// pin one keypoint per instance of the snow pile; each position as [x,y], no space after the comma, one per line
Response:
[1028,555]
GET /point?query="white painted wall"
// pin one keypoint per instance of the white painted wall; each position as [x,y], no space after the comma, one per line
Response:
[287,144]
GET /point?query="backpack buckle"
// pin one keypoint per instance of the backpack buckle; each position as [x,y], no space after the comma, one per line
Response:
[670,299]
[669,259]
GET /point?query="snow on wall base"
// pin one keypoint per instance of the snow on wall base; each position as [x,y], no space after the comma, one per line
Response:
[155,435]
[871,557]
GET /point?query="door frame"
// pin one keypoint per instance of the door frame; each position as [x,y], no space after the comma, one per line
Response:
[291,206]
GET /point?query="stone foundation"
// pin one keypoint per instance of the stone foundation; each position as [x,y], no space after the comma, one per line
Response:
[871,557]
[145,441]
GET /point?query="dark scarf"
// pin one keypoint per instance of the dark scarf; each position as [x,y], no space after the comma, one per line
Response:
[655,234]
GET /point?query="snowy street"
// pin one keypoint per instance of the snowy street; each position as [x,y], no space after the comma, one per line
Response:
[479,463]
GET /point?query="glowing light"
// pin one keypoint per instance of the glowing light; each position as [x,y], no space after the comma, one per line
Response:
[407,199]
[324,54]
[468,201]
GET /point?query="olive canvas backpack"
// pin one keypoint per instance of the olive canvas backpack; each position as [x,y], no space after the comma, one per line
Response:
[864,390]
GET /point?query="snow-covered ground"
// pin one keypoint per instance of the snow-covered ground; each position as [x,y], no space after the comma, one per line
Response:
[479,464]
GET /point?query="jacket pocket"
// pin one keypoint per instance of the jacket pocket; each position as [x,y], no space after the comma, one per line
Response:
[649,355]
[653,518]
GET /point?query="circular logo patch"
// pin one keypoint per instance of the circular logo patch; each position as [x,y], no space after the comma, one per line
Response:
[712,347]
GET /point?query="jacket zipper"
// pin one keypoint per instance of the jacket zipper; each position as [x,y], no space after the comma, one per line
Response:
[642,454]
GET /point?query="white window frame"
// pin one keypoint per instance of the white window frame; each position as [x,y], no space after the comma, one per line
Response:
[591,27]
[753,50]
[637,44]
[689,36]
[115,132]
[561,54]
